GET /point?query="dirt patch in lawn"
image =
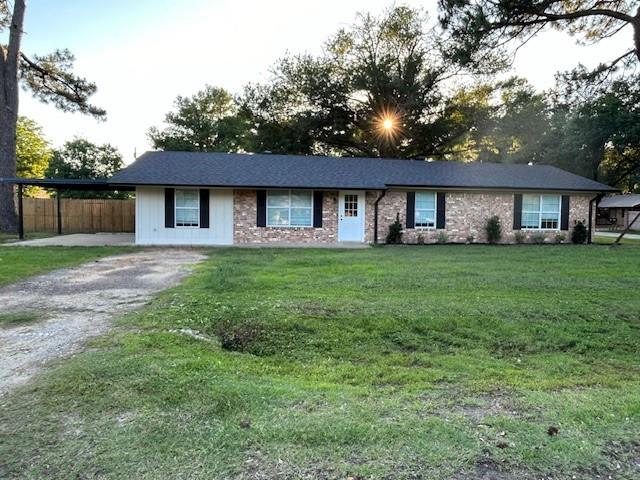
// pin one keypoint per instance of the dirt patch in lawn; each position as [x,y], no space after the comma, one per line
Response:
[79,303]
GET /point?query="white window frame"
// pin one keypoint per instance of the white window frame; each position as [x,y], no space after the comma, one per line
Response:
[540,213]
[176,207]
[416,209]
[289,225]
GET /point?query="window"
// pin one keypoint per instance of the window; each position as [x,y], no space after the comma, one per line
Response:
[289,208]
[187,208]
[541,212]
[351,205]
[425,210]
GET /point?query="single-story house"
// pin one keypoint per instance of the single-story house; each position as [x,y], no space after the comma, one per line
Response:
[619,212]
[191,198]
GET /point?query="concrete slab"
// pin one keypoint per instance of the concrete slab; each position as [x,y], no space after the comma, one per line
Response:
[80,240]
[631,236]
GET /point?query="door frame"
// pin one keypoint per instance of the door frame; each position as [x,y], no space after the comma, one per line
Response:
[361,208]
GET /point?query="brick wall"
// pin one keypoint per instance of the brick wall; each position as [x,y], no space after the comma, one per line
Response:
[245,230]
[466,215]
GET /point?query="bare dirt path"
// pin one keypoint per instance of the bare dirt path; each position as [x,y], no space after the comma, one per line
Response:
[79,303]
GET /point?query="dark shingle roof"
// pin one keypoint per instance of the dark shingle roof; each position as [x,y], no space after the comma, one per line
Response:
[291,171]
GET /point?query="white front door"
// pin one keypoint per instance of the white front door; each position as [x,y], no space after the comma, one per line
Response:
[351,216]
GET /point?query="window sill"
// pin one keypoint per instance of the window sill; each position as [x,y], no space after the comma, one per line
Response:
[291,226]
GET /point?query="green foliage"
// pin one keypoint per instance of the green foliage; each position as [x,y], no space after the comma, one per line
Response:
[481,29]
[383,372]
[519,237]
[51,80]
[204,122]
[82,159]
[538,238]
[32,151]
[579,233]
[560,237]
[493,229]
[420,239]
[470,238]
[385,67]
[394,236]
[442,237]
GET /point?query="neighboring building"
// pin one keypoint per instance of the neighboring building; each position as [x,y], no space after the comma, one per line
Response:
[618,212]
[223,199]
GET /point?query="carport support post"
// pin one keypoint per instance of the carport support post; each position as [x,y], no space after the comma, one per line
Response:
[20,214]
[59,213]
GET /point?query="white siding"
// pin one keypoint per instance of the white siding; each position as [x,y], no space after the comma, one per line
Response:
[150,229]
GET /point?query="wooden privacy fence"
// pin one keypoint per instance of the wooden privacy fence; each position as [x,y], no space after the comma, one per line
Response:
[79,215]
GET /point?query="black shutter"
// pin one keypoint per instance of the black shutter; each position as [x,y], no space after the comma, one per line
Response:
[440,213]
[204,208]
[262,208]
[169,210]
[517,211]
[411,209]
[564,213]
[317,209]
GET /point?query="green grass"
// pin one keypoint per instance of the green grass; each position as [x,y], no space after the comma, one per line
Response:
[19,318]
[609,240]
[17,263]
[408,362]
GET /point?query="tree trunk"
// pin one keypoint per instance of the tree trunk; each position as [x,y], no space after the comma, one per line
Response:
[636,33]
[9,61]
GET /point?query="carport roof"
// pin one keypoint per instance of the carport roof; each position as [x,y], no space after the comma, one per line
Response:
[620,201]
[66,183]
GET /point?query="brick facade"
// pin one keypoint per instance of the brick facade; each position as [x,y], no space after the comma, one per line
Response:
[246,231]
[466,215]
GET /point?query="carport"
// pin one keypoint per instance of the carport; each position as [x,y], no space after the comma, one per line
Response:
[58,185]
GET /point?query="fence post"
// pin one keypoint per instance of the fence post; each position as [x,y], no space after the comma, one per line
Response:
[20,214]
[59,212]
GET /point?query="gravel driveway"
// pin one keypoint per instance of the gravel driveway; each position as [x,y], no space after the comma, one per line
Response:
[79,303]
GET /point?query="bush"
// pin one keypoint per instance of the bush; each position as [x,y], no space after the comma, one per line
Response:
[442,237]
[470,238]
[579,234]
[420,239]
[493,228]
[395,231]
[538,237]
[560,237]
[520,237]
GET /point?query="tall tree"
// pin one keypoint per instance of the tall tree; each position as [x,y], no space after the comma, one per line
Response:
[376,90]
[204,122]
[49,78]
[33,152]
[479,27]
[508,122]
[601,136]
[80,158]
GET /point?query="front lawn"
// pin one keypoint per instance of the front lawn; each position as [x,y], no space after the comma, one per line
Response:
[17,263]
[409,362]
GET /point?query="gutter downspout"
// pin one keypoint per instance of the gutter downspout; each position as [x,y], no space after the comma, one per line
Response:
[595,199]
[375,216]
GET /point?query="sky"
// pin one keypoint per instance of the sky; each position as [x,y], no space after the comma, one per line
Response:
[143,53]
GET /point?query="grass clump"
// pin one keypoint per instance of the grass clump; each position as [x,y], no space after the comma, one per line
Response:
[19,318]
